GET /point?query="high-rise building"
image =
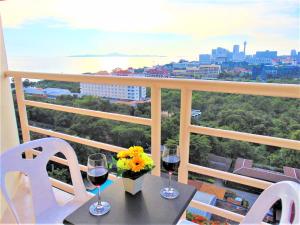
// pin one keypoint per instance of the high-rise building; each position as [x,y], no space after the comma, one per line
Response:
[204,59]
[213,53]
[220,55]
[236,49]
[266,54]
[236,53]
[245,44]
[293,53]
[122,92]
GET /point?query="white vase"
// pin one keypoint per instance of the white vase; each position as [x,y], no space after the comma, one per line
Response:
[133,186]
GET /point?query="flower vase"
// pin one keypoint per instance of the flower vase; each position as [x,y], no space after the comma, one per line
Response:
[133,186]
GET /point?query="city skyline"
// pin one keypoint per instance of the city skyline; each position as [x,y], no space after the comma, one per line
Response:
[171,28]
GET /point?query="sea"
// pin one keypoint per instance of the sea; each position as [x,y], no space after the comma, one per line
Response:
[78,65]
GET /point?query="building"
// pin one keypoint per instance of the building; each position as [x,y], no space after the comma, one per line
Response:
[156,72]
[266,54]
[196,71]
[219,162]
[220,55]
[294,56]
[245,167]
[245,44]
[204,59]
[179,73]
[293,53]
[265,72]
[179,66]
[269,71]
[237,56]
[258,61]
[179,69]
[209,71]
[56,92]
[203,197]
[192,72]
[288,71]
[236,50]
[47,92]
[35,92]
[185,69]
[111,91]
[263,57]
[120,72]
[196,113]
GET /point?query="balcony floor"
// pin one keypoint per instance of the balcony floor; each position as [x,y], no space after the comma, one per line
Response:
[23,203]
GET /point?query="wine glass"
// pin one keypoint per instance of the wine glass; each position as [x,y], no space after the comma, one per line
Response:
[170,161]
[97,174]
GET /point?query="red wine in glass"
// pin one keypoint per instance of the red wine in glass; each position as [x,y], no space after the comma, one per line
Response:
[97,176]
[171,163]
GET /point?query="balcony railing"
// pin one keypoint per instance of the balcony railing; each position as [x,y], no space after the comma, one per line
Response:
[186,88]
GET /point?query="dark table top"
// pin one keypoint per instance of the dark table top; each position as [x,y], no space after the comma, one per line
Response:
[146,207]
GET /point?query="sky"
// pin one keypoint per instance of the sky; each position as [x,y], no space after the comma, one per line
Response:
[154,27]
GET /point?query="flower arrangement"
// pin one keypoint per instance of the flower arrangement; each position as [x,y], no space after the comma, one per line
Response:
[201,220]
[133,163]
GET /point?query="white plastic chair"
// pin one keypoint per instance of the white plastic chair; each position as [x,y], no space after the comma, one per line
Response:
[288,192]
[46,208]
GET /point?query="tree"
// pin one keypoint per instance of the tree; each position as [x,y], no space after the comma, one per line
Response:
[73,87]
[235,149]
[28,83]
[285,157]
[171,144]
[128,136]
[170,128]
[295,135]
[62,174]
[199,149]
[272,116]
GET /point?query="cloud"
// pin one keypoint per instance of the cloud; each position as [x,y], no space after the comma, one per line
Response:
[262,21]
[197,17]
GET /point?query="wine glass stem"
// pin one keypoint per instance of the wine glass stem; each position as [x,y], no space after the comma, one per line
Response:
[170,177]
[99,198]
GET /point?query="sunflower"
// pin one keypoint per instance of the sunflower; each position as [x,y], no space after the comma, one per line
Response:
[148,161]
[137,164]
[123,164]
[135,151]
[123,154]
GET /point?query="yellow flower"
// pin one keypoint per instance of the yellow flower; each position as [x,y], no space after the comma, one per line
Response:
[148,160]
[135,151]
[123,154]
[137,164]
[123,164]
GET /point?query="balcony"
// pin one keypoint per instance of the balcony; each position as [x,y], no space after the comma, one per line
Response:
[186,88]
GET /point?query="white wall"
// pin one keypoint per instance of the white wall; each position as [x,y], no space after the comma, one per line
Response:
[8,125]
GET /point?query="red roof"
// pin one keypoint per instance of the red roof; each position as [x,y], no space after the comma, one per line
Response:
[161,71]
[244,167]
[121,72]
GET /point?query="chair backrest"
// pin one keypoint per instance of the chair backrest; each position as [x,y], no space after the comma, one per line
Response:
[288,192]
[42,194]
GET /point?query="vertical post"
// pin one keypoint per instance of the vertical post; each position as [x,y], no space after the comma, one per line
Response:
[156,128]
[8,124]
[22,112]
[9,130]
[184,134]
